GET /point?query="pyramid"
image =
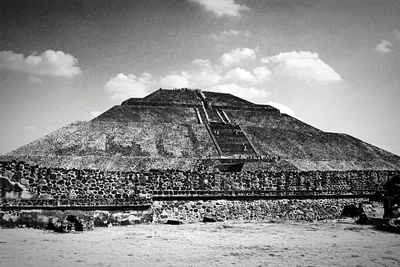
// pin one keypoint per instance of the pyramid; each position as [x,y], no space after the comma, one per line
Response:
[186,128]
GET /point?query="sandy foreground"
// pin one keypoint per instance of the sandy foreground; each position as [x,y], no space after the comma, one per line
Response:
[213,244]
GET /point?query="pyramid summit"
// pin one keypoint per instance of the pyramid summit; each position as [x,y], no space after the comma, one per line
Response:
[186,128]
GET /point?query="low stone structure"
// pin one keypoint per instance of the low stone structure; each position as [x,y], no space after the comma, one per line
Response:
[198,154]
[95,185]
[65,221]
[260,210]
[195,212]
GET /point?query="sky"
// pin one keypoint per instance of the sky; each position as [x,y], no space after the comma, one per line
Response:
[332,64]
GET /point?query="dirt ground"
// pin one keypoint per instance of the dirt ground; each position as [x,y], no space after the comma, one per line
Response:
[213,244]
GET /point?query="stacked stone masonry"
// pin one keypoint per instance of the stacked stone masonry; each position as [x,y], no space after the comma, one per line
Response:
[231,139]
[260,210]
[196,211]
[99,185]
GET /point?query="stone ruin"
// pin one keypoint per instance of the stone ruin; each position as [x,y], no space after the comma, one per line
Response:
[188,144]
[192,129]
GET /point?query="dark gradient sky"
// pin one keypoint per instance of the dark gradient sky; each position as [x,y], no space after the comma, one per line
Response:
[164,38]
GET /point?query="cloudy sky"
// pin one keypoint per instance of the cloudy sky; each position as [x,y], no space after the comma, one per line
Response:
[332,64]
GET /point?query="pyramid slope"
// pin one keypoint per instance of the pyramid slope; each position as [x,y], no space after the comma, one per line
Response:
[49,143]
[120,146]
[149,114]
[223,99]
[168,97]
[321,151]
[169,129]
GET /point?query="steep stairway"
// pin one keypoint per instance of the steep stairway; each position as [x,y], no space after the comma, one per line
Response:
[231,140]
[228,138]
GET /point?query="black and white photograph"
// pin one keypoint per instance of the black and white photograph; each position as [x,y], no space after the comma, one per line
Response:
[199,133]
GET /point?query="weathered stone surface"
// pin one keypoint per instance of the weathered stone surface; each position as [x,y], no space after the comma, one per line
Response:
[171,129]
[263,210]
[190,212]
[209,219]
[94,187]
[64,227]
[101,218]
[79,224]
[349,211]
[174,222]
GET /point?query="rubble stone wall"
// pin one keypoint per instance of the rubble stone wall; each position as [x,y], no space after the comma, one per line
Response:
[94,184]
[195,211]
[260,210]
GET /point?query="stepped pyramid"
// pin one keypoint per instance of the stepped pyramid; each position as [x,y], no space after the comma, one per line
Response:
[185,128]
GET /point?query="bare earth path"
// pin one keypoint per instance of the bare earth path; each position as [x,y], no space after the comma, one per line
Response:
[218,244]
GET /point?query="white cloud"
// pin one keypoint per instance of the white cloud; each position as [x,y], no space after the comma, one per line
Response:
[222,7]
[175,81]
[223,75]
[204,63]
[261,73]
[282,108]
[230,32]
[205,77]
[204,74]
[303,65]
[126,86]
[34,80]
[257,95]
[201,78]
[384,46]
[211,76]
[239,75]
[93,114]
[264,60]
[237,56]
[225,34]
[50,63]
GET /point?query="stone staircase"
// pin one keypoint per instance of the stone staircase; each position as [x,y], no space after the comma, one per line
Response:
[228,138]
[231,140]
